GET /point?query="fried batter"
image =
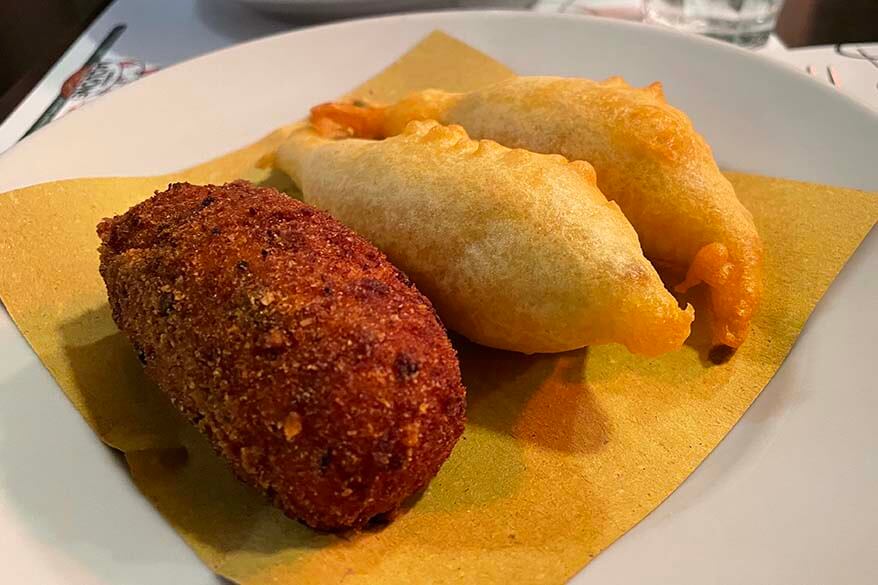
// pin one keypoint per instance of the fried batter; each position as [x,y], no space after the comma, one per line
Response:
[313,365]
[648,157]
[517,250]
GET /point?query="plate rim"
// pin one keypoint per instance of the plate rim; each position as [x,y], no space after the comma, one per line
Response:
[827,90]
[707,42]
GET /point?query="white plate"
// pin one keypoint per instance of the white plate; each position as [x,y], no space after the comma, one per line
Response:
[338,8]
[788,497]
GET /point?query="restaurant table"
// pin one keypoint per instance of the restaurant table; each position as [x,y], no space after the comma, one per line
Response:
[46,42]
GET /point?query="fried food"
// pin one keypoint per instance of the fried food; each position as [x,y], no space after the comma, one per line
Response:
[313,365]
[648,157]
[517,250]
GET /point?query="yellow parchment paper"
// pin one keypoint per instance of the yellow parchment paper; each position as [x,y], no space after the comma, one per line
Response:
[562,453]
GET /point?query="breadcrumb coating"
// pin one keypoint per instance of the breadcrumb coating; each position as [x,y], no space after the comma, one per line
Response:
[313,365]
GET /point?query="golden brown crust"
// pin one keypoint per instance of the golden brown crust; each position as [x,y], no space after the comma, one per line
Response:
[648,157]
[517,250]
[652,162]
[312,364]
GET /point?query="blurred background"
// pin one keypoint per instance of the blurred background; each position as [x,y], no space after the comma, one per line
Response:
[35,34]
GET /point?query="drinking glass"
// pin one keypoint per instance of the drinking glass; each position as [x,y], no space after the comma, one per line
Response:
[743,22]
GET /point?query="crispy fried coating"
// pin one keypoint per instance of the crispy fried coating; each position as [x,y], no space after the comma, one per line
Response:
[648,157]
[517,250]
[311,363]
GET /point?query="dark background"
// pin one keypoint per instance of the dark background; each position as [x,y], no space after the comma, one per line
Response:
[35,33]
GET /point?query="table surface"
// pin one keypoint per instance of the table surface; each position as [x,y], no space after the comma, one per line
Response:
[160,33]
[59,23]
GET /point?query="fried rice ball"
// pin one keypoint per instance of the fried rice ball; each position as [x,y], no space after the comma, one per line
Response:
[313,365]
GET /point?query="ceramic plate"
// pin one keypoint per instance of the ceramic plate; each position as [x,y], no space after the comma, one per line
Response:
[789,495]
